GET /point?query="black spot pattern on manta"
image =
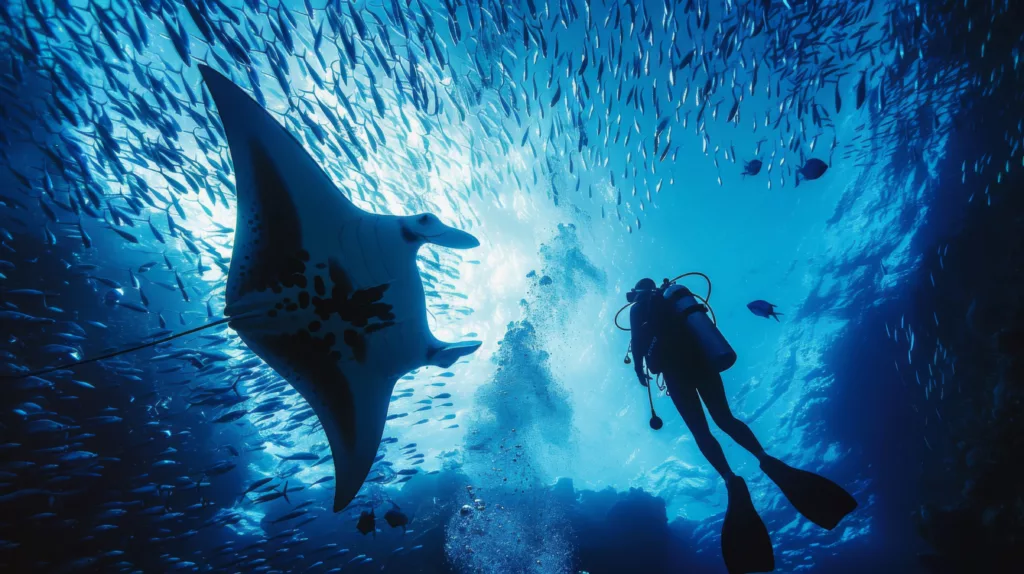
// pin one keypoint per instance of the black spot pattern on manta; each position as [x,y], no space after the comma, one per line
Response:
[354,307]
[315,366]
[277,259]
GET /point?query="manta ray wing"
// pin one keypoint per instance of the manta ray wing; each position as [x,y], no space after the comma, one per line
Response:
[268,163]
[331,296]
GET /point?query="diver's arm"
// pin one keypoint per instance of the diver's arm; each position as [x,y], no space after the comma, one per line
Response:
[639,342]
[638,365]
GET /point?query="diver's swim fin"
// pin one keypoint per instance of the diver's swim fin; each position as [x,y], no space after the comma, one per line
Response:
[820,500]
[746,546]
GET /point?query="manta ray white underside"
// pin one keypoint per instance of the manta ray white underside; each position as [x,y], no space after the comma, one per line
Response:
[325,293]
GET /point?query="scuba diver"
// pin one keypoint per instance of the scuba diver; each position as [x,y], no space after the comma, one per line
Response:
[672,335]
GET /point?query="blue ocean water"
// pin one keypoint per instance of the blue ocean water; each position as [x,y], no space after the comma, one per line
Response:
[586,145]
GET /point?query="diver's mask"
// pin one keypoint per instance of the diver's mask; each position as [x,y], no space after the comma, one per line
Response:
[635,295]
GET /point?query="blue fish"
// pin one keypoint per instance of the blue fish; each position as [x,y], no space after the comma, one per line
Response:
[811,170]
[763,309]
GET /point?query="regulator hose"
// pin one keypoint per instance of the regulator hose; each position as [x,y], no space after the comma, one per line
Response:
[624,307]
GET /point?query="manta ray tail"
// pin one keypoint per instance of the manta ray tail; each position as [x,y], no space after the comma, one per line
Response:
[132,349]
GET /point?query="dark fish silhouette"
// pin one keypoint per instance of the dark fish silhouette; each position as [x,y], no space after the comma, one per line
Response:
[395,518]
[367,523]
[763,309]
[752,167]
[811,170]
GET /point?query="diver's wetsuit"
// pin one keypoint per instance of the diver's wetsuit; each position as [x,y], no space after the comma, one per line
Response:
[746,544]
[688,380]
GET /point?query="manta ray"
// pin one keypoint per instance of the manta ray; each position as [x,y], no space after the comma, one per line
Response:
[328,295]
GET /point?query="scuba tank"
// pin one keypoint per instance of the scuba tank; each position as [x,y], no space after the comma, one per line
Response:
[692,315]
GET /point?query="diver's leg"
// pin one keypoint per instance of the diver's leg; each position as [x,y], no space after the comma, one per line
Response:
[819,499]
[746,546]
[688,404]
[713,392]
